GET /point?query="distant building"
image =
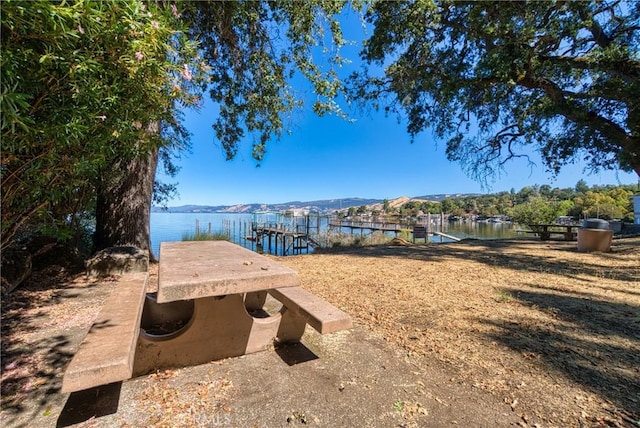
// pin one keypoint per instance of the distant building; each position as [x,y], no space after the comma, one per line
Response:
[297,212]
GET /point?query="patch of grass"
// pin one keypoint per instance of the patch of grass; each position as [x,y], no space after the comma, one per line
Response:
[406,234]
[504,296]
[332,239]
[204,236]
[347,240]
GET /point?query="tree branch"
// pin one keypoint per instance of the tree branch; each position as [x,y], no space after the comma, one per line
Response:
[9,233]
[575,113]
[627,69]
[599,36]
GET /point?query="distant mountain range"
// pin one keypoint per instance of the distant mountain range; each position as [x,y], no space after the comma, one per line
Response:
[325,206]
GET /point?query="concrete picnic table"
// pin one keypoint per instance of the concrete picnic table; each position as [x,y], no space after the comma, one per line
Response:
[223,281]
[192,270]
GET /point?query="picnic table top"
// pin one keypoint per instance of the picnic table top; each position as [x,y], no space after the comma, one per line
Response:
[196,269]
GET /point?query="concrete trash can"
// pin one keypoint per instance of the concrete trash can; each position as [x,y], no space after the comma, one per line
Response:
[594,235]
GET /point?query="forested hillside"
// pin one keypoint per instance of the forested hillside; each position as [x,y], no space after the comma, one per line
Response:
[537,203]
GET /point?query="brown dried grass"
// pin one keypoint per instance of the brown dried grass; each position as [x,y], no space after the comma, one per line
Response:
[554,332]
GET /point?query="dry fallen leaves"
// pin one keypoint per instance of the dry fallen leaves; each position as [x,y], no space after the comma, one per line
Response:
[537,321]
[169,400]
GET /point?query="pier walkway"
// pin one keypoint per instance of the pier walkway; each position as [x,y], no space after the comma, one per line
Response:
[417,230]
[369,225]
[290,242]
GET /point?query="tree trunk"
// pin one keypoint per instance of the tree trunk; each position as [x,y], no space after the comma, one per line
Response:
[123,206]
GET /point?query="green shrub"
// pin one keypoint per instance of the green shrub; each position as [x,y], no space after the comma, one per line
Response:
[204,236]
[538,210]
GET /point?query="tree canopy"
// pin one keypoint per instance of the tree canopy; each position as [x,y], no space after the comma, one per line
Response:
[532,204]
[498,80]
[81,85]
[92,90]
[254,49]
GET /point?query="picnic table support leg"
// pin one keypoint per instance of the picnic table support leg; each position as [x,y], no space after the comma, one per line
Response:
[220,327]
[292,326]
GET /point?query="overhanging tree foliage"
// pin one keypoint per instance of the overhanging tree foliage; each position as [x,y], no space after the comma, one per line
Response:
[251,50]
[84,84]
[497,79]
[91,92]
[254,49]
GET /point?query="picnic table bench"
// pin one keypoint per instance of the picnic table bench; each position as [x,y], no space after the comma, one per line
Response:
[106,354]
[568,232]
[211,286]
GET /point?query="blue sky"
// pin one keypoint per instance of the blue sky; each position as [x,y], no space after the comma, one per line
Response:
[330,158]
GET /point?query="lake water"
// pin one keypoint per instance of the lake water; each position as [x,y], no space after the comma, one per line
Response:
[171,227]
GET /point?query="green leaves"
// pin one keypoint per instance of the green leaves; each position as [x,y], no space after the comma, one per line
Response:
[254,50]
[85,84]
[563,76]
[12,103]
[82,83]
[537,210]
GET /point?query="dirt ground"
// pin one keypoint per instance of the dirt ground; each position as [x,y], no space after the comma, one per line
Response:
[476,333]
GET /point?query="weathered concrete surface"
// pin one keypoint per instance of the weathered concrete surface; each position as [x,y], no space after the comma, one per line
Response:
[315,311]
[190,270]
[594,240]
[219,328]
[106,354]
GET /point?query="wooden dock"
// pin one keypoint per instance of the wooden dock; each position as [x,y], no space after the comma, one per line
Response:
[373,226]
[444,235]
[284,233]
[290,242]
[417,230]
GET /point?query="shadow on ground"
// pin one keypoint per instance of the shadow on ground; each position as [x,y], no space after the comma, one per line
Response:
[489,252]
[35,350]
[22,373]
[579,347]
[90,403]
[591,340]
